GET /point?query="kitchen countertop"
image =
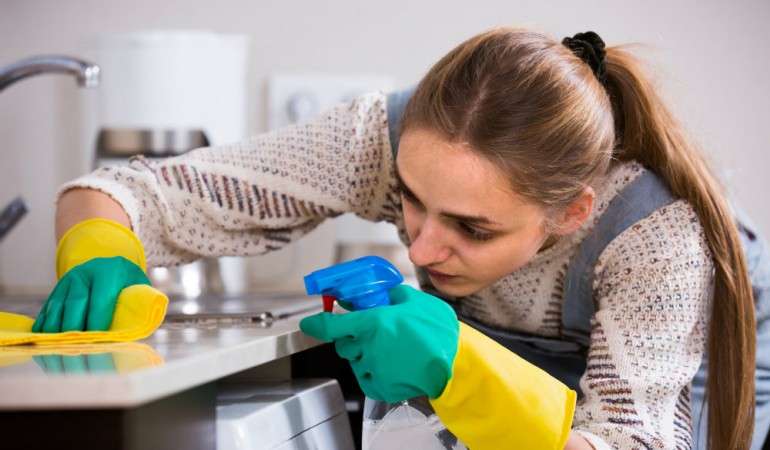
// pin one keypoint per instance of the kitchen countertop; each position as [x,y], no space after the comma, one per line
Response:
[180,355]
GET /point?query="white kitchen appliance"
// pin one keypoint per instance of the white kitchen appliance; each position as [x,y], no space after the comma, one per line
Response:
[173,80]
[296,414]
[165,92]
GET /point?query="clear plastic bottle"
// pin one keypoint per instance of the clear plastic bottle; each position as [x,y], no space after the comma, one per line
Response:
[411,424]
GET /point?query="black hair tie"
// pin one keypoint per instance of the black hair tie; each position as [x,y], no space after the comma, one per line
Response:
[589,47]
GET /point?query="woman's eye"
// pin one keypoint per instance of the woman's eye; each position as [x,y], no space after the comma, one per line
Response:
[408,196]
[474,234]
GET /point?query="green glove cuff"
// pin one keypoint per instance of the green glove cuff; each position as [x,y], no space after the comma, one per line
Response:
[95,238]
[496,399]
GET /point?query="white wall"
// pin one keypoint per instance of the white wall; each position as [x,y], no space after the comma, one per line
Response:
[713,54]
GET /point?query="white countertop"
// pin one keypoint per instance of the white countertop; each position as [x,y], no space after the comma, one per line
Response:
[175,358]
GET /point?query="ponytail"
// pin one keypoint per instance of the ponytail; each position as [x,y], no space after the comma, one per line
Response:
[647,132]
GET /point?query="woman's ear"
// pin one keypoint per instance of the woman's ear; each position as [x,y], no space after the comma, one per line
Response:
[576,213]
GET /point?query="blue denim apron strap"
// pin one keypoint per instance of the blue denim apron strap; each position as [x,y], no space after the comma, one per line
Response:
[396,105]
[637,200]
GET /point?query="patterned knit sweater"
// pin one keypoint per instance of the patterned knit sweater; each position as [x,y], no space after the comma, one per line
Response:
[254,196]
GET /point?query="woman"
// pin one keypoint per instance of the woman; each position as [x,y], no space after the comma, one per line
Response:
[511,149]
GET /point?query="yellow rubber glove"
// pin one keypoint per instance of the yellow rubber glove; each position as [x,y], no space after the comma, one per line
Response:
[97,238]
[495,399]
[95,260]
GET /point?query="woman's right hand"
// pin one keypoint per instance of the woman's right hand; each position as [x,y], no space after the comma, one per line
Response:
[84,298]
[95,260]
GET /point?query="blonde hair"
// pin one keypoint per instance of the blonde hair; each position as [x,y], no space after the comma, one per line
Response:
[528,104]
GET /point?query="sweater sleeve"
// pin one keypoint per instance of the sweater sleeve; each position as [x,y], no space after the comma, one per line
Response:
[259,194]
[648,334]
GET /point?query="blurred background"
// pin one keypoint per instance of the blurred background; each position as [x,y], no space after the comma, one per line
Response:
[710,58]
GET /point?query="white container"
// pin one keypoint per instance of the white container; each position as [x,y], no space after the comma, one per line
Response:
[173,79]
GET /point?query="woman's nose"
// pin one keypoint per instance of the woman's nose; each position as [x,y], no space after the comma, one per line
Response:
[428,247]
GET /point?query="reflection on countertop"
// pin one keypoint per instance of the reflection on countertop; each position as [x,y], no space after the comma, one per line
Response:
[119,357]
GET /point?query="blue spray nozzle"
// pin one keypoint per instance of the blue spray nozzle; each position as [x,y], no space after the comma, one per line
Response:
[363,282]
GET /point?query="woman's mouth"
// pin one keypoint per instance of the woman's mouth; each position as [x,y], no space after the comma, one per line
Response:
[439,276]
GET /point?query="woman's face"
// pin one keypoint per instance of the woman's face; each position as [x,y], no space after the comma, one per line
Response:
[467,227]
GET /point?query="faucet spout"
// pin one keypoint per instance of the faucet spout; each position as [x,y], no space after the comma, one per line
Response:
[86,73]
[11,214]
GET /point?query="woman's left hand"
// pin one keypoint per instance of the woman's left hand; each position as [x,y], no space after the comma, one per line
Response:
[399,351]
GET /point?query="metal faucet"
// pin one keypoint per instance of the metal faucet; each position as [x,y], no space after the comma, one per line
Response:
[12,214]
[87,75]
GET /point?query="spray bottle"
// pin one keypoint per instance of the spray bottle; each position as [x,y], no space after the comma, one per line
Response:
[364,283]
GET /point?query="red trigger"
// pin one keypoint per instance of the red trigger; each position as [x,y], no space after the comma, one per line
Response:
[328,302]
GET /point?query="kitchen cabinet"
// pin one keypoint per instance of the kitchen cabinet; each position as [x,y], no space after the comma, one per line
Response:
[159,392]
